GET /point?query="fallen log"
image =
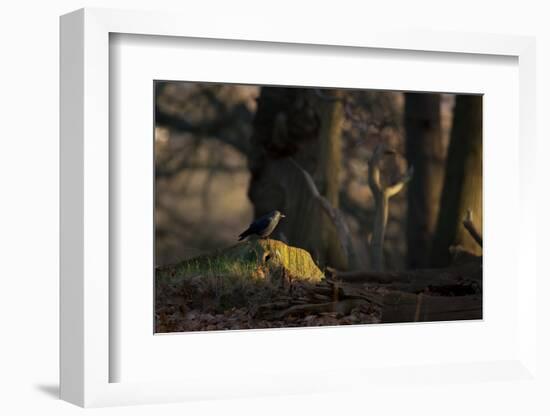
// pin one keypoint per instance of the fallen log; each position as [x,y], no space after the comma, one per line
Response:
[407,307]
[343,307]
[462,279]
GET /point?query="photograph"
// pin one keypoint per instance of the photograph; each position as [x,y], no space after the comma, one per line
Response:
[292,206]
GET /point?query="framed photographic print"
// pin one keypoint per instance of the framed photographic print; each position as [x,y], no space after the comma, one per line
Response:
[261,214]
[305,179]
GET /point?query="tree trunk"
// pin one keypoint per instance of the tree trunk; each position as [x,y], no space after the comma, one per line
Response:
[327,172]
[462,190]
[295,163]
[425,152]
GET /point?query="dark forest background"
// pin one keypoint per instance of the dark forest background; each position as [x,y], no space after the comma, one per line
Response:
[225,154]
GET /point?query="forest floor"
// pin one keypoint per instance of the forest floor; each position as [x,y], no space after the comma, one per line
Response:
[267,284]
[189,307]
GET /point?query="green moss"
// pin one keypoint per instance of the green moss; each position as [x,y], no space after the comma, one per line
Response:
[245,274]
[206,266]
[249,259]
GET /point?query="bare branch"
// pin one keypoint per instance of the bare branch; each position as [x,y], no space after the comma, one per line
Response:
[211,128]
[397,187]
[382,196]
[469,225]
[326,97]
[333,213]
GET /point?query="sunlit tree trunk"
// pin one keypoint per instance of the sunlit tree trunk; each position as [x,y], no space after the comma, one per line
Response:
[329,165]
[462,189]
[327,171]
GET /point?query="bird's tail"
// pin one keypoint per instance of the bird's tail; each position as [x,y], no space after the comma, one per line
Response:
[244,235]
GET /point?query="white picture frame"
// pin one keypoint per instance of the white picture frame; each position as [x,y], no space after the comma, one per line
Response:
[86,351]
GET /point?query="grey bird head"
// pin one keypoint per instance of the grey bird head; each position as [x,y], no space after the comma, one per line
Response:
[278,214]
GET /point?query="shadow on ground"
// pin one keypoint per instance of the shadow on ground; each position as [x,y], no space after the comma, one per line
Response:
[51,390]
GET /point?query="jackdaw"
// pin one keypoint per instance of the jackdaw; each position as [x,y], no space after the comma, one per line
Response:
[263,226]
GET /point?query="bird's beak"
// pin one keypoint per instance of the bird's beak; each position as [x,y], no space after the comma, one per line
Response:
[283,215]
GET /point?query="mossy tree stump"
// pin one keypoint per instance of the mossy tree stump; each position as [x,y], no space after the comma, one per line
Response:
[256,258]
